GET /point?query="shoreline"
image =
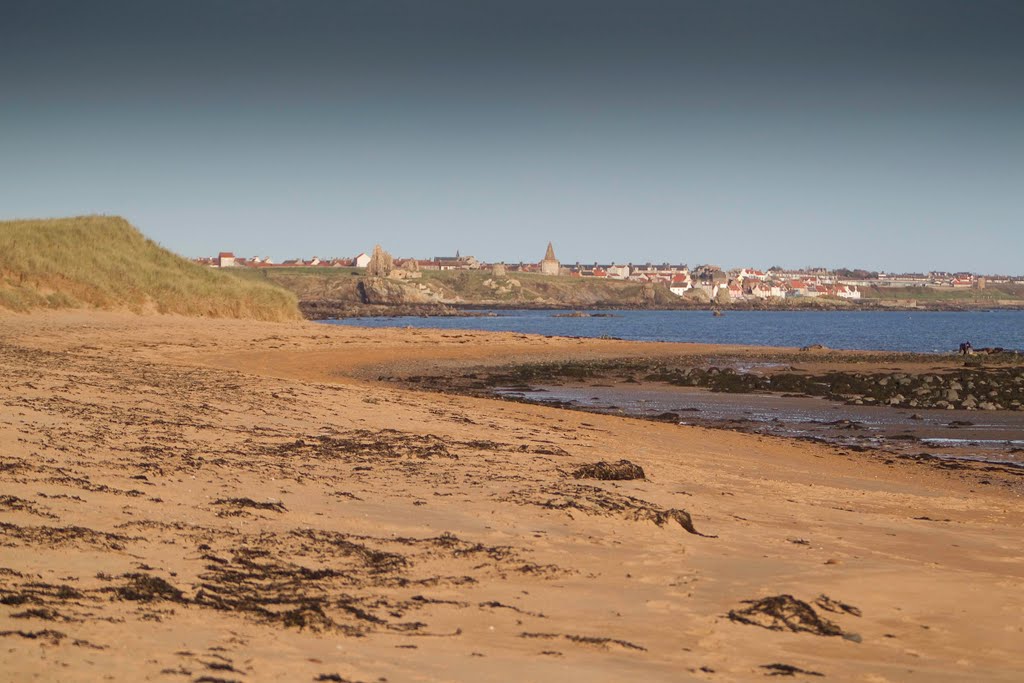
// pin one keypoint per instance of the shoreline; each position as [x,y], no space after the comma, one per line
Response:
[971,439]
[188,498]
[767,394]
[326,309]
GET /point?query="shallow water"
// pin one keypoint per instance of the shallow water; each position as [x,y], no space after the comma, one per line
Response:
[996,436]
[919,331]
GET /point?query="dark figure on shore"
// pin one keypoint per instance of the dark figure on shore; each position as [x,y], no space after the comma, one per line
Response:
[966,349]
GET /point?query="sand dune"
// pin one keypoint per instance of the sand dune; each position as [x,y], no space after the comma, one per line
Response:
[212,500]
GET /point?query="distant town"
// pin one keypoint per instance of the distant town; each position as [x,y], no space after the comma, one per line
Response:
[736,284]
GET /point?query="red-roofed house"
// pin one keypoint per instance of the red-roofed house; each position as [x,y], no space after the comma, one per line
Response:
[681,284]
[225,259]
[797,288]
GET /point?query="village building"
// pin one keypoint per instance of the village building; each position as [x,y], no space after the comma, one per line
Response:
[657,273]
[707,271]
[681,284]
[617,272]
[846,292]
[708,287]
[362,260]
[751,274]
[768,290]
[225,259]
[457,262]
[550,264]
[797,288]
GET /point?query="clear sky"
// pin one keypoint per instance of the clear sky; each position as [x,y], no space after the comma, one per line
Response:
[886,134]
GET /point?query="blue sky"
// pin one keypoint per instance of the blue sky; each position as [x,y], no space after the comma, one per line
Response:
[885,135]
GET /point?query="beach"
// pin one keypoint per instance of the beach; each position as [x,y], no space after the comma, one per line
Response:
[186,499]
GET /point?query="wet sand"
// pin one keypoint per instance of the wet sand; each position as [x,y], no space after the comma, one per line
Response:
[216,500]
[982,436]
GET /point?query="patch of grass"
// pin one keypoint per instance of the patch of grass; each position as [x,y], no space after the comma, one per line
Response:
[104,262]
[312,283]
[992,293]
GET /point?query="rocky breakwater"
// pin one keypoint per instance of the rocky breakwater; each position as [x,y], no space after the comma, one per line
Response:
[998,388]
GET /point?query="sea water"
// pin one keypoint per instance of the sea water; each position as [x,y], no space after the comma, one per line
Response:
[918,331]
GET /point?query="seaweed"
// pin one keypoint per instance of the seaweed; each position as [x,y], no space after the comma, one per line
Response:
[786,613]
[788,670]
[609,471]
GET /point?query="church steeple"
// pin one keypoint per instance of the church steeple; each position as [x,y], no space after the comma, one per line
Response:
[550,264]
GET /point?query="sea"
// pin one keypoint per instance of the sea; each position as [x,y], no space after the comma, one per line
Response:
[916,331]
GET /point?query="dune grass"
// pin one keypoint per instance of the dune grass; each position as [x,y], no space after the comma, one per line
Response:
[104,262]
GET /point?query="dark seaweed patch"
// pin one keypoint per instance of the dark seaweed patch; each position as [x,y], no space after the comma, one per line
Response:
[56,537]
[242,503]
[786,613]
[609,471]
[788,670]
[598,641]
[147,588]
[593,500]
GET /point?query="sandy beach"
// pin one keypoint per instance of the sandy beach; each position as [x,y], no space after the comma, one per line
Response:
[210,500]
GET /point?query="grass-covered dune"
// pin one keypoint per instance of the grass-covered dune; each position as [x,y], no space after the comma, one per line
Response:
[104,262]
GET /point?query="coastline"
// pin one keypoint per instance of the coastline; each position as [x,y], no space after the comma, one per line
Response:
[325,310]
[249,500]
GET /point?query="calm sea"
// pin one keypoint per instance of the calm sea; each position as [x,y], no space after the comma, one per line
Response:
[881,330]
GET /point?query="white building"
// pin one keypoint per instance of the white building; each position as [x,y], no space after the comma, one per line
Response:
[752,274]
[767,290]
[847,292]
[362,260]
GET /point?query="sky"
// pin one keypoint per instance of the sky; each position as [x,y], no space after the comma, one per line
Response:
[883,134]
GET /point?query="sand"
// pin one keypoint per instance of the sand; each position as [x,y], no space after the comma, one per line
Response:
[190,500]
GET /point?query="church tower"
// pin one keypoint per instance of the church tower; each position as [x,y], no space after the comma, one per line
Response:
[550,264]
